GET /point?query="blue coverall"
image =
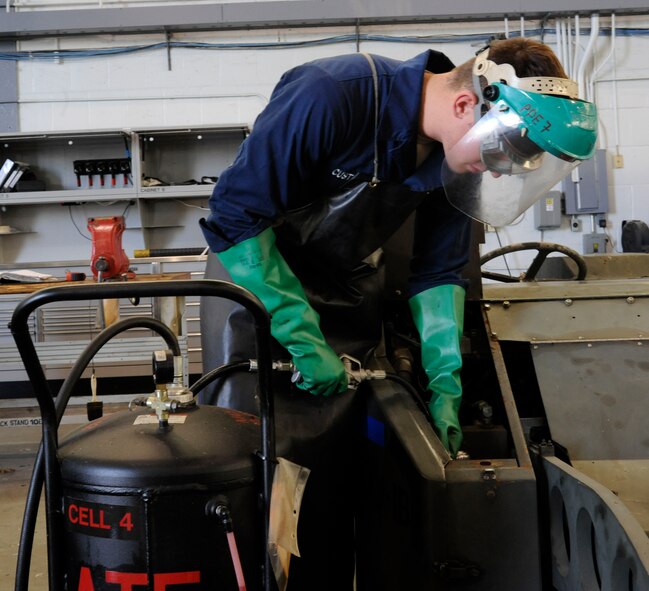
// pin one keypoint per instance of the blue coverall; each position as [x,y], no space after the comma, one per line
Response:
[316,136]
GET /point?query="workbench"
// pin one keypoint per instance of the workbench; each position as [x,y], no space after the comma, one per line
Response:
[62,330]
[12,288]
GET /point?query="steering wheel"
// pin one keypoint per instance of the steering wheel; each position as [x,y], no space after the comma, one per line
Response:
[544,249]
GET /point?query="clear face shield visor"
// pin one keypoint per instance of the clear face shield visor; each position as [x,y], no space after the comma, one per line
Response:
[522,171]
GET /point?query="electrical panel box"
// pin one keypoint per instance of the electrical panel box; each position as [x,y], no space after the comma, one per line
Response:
[594,243]
[547,211]
[586,189]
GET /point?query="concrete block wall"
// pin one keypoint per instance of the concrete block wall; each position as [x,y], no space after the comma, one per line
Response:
[210,86]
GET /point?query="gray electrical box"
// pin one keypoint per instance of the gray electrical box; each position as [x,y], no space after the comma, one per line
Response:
[547,211]
[595,243]
[590,193]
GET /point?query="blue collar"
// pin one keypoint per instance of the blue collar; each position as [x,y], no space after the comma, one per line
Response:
[399,123]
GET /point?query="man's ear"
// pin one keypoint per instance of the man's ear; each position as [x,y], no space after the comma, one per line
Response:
[463,105]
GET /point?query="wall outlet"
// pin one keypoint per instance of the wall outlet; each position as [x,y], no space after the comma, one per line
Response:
[575,224]
[618,161]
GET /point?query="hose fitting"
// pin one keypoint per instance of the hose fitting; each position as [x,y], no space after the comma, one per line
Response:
[357,374]
[219,507]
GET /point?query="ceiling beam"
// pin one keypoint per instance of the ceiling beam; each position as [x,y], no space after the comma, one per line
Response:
[290,13]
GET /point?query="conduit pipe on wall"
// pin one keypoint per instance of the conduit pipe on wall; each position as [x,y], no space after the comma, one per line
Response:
[567,47]
[588,52]
[610,53]
[575,55]
[584,88]
[594,79]
[113,99]
[559,40]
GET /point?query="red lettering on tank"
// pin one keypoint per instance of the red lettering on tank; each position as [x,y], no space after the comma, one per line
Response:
[127,521]
[85,579]
[126,581]
[101,524]
[83,516]
[87,517]
[242,418]
[73,514]
[160,581]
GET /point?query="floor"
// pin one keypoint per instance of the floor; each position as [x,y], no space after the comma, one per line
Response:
[18,447]
[15,472]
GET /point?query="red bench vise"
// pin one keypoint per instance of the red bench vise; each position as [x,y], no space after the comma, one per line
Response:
[108,257]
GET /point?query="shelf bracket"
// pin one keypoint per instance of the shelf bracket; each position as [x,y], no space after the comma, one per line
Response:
[168,38]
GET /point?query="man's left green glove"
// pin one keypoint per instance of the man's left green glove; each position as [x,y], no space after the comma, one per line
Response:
[439,316]
[257,265]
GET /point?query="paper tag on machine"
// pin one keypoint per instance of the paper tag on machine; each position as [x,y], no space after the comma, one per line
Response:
[289,483]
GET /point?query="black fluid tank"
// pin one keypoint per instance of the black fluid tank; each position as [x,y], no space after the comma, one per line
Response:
[135,499]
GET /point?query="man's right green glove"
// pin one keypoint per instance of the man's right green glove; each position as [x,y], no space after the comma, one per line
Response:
[439,316]
[257,265]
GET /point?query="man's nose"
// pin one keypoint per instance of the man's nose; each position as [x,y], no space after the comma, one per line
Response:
[495,174]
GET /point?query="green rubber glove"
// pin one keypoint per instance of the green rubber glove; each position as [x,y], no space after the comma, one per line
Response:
[257,265]
[439,316]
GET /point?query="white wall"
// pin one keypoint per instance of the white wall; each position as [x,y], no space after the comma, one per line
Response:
[233,85]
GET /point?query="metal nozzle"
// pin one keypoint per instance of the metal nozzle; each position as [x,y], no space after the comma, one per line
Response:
[356,374]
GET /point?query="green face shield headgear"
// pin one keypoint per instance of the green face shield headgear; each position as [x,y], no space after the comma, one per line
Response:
[529,140]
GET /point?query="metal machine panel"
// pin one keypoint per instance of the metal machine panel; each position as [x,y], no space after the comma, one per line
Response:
[492,520]
[443,525]
[569,310]
[595,396]
[629,265]
[596,543]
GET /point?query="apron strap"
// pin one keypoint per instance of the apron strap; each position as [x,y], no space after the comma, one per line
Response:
[375,178]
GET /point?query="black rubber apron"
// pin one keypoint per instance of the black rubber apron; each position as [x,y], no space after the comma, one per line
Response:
[333,247]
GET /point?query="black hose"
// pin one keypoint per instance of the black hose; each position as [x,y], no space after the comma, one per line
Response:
[219,372]
[206,287]
[26,544]
[412,391]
